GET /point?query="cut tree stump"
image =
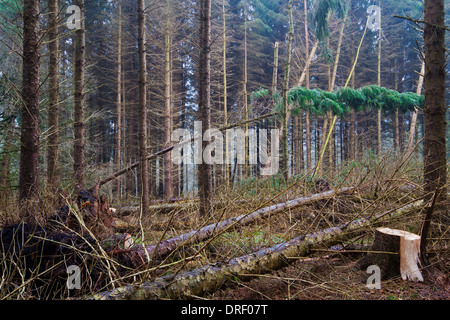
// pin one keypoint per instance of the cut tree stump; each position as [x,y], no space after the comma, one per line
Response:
[394,252]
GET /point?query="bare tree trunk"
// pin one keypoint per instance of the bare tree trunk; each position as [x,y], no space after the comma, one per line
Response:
[284,158]
[245,94]
[352,134]
[53,109]
[379,82]
[308,140]
[6,160]
[225,93]
[168,168]
[80,103]
[205,172]
[412,129]
[305,11]
[275,68]
[435,165]
[119,100]
[143,164]
[29,139]
[296,140]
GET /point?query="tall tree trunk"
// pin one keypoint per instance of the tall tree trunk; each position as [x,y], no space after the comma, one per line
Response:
[318,165]
[142,111]
[29,139]
[6,159]
[275,68]
[305,12]
[412,129]
[379,80]
[245,93]
[332,79]
[205,172]
[395,123]
[435,175]
[53,109]
[308,140]
[80,103]
[296,140]
[284,157]
[119,100]
[351,153]
[225,93]
[168,169]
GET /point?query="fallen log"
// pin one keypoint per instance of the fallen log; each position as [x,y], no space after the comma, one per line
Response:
[164,208]
[165,247]
[211,277]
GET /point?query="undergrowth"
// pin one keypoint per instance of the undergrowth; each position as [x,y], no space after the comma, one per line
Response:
[382,183]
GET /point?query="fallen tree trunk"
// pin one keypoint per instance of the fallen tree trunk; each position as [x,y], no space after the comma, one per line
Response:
[210,277]
[167,246]
[165,208]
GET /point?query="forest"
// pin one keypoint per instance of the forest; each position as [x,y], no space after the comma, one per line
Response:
[224,149]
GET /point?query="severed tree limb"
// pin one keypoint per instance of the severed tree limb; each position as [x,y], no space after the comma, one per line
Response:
[165,247]
[211,277]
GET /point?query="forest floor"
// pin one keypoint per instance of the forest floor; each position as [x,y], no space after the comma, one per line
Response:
[336,279]
[326,273]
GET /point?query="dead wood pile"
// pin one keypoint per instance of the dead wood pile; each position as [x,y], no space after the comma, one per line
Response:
[75,235]
[165,247]
[210,277]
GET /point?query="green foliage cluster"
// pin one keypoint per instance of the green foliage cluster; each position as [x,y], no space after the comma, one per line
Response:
[322,10]
[340,102]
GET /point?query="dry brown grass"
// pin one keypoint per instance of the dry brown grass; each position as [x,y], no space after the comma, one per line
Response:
[383,183]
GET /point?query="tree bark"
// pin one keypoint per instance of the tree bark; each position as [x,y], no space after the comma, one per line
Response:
[6,159]
[412,129]
[352,134]
[308,140]
[286,112]
[53,109]
[245,93]
[305,12]
[225,93]
[80,103]
[142,111]
[275,68]
[435,166]
[379,80]
[168,168]
[29,139]
[205,170]
[119,101]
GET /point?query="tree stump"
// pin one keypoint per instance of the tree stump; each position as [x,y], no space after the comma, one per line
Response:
[395,252]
